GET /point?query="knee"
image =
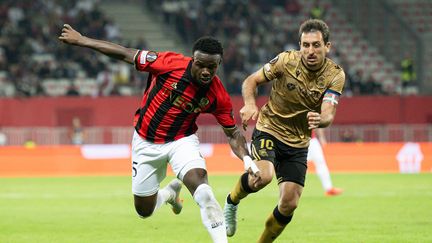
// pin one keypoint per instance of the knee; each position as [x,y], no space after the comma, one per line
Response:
[143,212]
[263,182]
[287,207]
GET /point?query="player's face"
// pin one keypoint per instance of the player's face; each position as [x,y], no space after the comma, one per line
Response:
[313,49]
[204,66]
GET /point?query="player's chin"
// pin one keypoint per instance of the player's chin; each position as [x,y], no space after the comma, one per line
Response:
[205,81]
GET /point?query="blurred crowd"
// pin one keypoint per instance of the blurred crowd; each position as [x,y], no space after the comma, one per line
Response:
[33,61]
[31,57]
[253,32]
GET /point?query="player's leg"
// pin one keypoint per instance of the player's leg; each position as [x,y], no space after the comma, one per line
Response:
[262,150]
[282,214]
[188,164]
[148,170]
[291,166]
[316,155]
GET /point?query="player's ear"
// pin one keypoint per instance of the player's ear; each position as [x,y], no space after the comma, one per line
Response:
[328,46]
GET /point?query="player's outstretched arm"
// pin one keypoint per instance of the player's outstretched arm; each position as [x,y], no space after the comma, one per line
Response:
[73,37]
[239,146]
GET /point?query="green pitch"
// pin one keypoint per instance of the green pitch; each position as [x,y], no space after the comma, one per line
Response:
[373,208]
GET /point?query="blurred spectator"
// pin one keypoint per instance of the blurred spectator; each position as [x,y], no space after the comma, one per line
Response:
[408,75]
[317,11]
[105,82]
[292,7]
[348,136]
[72,90]
[77,132]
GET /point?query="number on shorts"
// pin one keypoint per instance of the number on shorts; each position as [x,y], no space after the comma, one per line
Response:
[134,173]
[266,143]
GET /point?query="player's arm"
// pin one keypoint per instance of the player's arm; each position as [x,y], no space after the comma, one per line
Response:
[249,91]
[329,103]
[328,111]
[239,146]
[73,37]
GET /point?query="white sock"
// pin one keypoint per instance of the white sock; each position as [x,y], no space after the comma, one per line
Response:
[211,213]
[323,173]
[162,196]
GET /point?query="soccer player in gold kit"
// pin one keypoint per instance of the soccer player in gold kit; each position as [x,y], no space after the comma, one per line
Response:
[305,92]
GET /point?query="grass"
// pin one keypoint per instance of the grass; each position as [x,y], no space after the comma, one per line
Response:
[373,208]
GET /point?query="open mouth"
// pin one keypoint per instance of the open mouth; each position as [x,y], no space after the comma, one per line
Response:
[205,80]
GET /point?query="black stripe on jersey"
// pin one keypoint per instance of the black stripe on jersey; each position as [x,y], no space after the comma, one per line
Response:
[150,97]
[212,107]
[160,113]
[201,92]
[149,79]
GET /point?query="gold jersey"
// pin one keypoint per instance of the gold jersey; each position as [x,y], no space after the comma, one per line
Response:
[296,91]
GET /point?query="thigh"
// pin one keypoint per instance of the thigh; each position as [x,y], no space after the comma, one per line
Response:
[149,164]
[263,151]
[291,164]
[263,146]
[185,155]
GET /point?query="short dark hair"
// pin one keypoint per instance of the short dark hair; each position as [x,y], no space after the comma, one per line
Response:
[208,45]
[312,25]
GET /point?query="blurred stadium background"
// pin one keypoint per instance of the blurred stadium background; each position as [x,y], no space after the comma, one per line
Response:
[382,45]
[46,87]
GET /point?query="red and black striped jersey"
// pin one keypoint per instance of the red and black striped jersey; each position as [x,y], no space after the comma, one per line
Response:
[173,100]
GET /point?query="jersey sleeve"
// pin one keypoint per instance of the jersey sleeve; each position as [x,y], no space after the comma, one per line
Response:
[224,110]
[156,62]
[274,68]
[338,82]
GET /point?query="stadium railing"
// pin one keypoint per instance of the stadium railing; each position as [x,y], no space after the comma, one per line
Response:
[214,134]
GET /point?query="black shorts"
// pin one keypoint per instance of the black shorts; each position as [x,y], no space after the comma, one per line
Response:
[290,163]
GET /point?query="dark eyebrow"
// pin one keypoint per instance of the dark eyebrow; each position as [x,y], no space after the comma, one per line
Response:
[305,42]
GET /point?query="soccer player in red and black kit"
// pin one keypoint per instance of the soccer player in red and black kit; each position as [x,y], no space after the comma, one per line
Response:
[180,89]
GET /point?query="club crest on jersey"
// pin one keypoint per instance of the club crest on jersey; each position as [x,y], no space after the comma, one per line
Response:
[320,82]
[291,86]
[203,102]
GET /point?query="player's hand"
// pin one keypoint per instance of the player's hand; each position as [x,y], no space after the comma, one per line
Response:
[251,167]
[314,119]
[70,36]
[248,112]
